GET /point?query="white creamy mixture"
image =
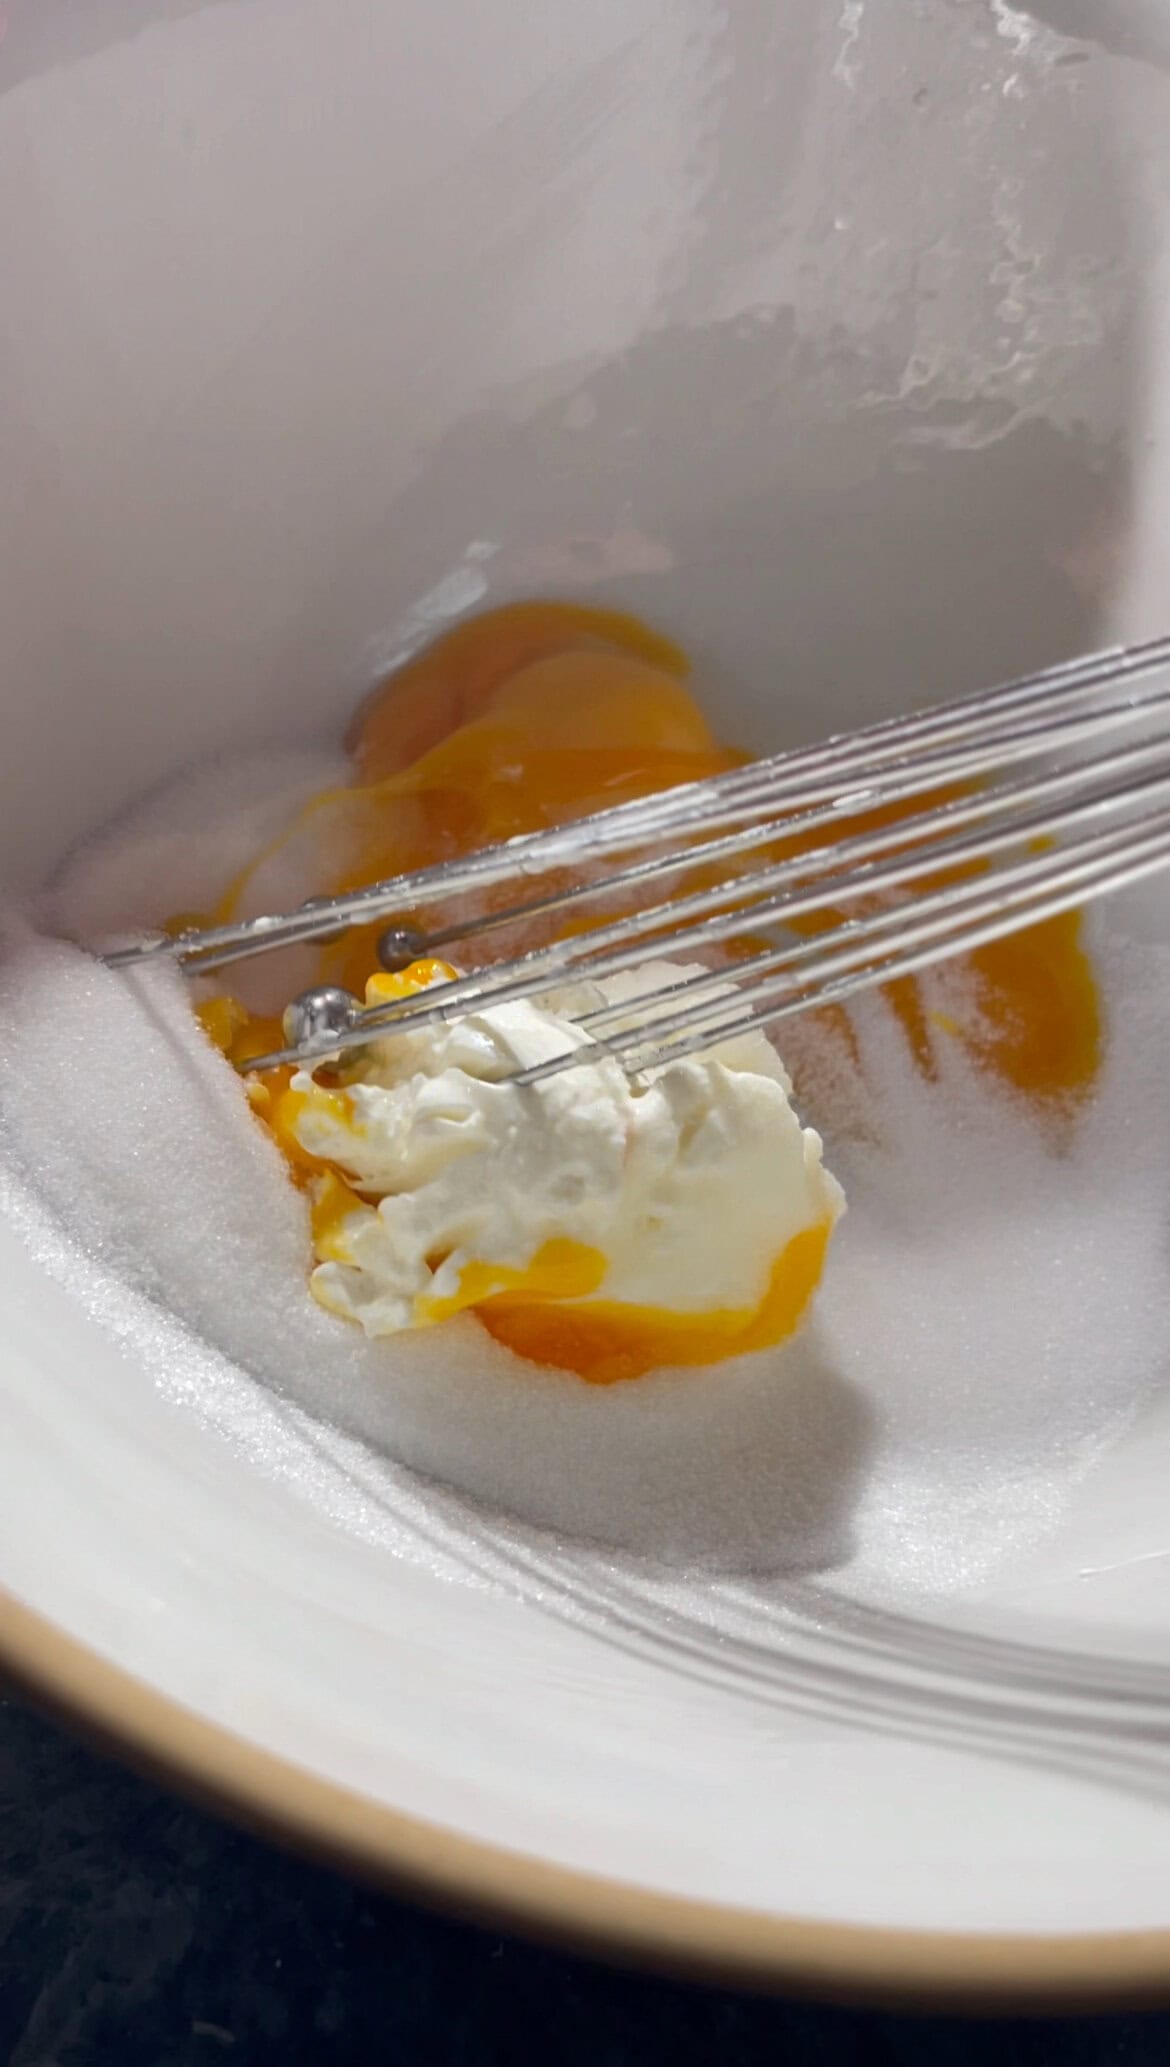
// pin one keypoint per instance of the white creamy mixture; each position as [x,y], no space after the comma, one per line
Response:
[689,1183]
[994,1314]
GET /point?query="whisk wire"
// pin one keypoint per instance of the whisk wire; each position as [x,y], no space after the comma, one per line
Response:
[845,774]
[997,915]
[795,845]
[799,887]
[935,922]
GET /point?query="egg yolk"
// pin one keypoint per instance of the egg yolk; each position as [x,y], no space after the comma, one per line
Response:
[607,1341]
[527,717]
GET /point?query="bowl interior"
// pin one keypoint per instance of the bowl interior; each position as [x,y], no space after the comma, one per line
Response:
[326,325]
[833,347]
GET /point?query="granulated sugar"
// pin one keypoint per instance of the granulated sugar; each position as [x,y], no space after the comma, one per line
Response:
[996,1306]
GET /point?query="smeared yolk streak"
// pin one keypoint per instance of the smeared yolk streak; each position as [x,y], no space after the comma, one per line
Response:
[233,1029]
[293,1105]
[1037,1022]
[332,1203]
[560,1269]
[534,715]
[223,1021]
[608,1342]
[385,987]
[1041,1026]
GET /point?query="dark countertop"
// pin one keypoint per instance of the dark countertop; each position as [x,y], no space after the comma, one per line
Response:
[137,1931]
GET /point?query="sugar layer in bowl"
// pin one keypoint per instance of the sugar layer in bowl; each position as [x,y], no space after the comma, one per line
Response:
[994,1315]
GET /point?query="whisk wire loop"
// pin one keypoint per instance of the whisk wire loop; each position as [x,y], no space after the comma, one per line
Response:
[826,870]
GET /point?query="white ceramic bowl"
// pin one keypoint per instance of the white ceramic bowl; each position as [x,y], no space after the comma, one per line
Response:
[835,342]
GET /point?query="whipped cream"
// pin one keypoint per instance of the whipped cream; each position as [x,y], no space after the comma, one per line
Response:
[686,1184]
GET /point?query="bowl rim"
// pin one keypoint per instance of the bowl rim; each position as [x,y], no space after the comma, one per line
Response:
[488,1884]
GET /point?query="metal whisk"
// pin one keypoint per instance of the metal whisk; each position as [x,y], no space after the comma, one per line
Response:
[1065,796]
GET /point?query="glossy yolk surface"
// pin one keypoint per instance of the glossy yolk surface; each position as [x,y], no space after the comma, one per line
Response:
[606,1341]
[531,716]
